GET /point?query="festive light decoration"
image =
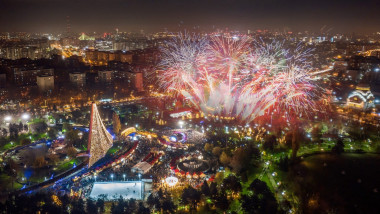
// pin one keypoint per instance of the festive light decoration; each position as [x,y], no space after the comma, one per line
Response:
[56,200]
[128,131]
[362,97]
[99,140]
[171,181]
[238,77]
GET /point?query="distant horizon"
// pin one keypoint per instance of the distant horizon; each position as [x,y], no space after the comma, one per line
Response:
[223,30]
[338,16]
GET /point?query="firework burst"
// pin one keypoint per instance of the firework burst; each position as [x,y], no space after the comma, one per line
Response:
[239,77]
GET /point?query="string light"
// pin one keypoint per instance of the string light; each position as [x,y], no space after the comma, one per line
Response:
[100,140]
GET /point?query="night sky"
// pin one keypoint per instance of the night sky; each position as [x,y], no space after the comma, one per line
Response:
[346,16]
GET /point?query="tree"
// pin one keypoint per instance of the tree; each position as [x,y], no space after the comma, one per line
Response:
[168,206]
[39,162]
[232,183]
[116,123]
[13,131]
[221,201]
[191,196]
[53,158]
[208,147]
[259,187]
[250,204]
[71,137]
[91,207]
[152,200]
[295,143]
[38,127]
[242,156]
[66,127]
[316,134]
[100,205]
[261,201]
[283,163]
[217,151]
[120,207]
[219,177]
[26,141]
[4,131]
[78,207]
[52,133]
[76,114]
[205,188]
[12,169]
[297,136]
[113,208]
[224,159]
[269,142]
[71,151]
[160,193]
[338,147]
[213,189]
[132,205]
[142,209]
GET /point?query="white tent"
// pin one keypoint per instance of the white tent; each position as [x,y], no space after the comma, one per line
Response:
[141,167]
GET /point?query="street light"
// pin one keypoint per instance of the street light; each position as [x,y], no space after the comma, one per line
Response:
[8,118]
[95,177]
[112,177]
[139,176]
[180,123]
[25,116]
[124,176]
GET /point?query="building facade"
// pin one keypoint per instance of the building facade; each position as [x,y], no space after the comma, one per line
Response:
[78,79]
[45,82]
[105,76]
[362,98]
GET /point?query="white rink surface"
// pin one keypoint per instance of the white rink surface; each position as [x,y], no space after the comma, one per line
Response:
[128,190]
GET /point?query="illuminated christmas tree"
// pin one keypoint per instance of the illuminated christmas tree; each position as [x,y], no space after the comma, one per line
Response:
[99,140]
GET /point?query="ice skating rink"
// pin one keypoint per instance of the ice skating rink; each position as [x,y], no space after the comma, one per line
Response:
[128,190]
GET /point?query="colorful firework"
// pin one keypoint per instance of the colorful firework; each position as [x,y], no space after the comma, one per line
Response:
[239,77]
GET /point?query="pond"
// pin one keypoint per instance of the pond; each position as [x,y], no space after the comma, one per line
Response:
[346,183]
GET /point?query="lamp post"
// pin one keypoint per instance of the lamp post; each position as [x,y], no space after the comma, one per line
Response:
[124,176]
[112,177]
[95,177]
[25,116]
[139,176]
[7,119]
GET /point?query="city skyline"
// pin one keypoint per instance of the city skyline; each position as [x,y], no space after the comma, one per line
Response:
[189,106]
[100,15]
